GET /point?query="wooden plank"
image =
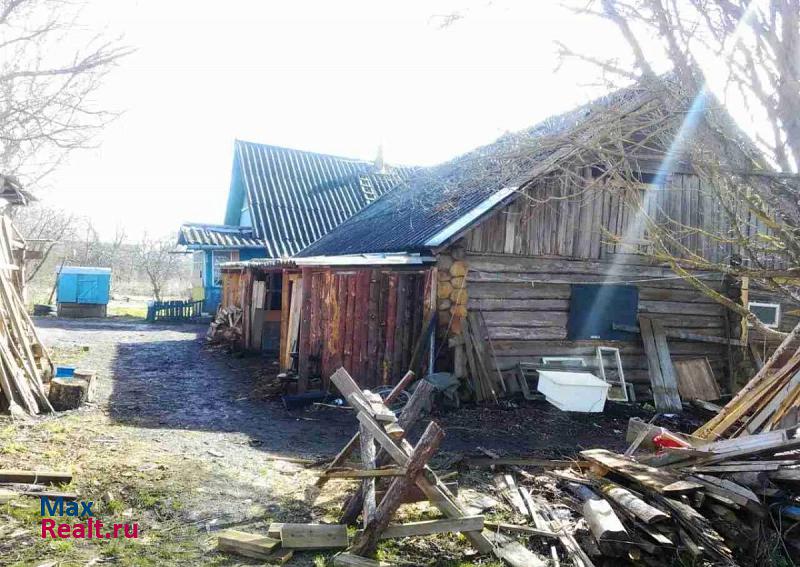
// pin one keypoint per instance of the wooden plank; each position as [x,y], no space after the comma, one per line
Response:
[696,379]
[368,473]
[655,479]
[313,536]
[660,396]
[507,487]
[368,484]
[514,553]
[527,530]
[35,477]
[247,544]
[667,370]
[430,527]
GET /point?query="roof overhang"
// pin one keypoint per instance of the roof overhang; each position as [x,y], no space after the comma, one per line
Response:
[465,222]
[376,259]
[263,263]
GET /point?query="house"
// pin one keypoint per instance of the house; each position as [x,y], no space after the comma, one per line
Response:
[280,201]
[548,240]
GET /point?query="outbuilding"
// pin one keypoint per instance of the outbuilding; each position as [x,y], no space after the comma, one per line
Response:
[83,291]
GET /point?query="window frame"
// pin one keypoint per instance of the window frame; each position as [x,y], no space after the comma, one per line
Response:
[778,313]
[216,270]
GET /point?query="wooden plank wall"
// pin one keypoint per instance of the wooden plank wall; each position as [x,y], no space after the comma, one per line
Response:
[366,320]
[525,303]
[231,289]
[560,217]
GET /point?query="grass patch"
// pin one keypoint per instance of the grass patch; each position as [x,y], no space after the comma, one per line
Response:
[135,311]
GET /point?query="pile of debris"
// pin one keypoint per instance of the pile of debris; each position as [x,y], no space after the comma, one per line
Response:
[226,327]
[25,365]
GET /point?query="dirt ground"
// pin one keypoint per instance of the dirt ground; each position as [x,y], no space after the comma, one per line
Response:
[180,443]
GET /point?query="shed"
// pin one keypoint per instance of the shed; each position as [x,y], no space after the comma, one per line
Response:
[83,291]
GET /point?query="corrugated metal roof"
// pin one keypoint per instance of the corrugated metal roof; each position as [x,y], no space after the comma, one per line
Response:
[433,198]
[296,197]
[197,235]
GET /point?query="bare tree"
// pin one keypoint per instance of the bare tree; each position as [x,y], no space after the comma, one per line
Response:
[159,260]
[50,68]
[44,228]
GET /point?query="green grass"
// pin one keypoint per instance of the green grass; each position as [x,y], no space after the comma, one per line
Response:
[137,311]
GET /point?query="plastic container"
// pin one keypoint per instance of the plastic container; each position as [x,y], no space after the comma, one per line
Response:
[64,372]
[573,391]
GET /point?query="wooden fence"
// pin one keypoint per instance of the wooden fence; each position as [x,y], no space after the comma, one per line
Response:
[174,310]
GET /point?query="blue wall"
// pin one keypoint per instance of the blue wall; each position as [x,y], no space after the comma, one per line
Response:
[213,294]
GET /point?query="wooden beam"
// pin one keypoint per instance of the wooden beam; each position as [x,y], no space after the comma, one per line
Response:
[430,527]
[304,354]
[367,473]
[528,530]
[35,477]
[249,545]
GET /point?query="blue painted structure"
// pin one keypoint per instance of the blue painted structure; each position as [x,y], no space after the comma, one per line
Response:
[84,285]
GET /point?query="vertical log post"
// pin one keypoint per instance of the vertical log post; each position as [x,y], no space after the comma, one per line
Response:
[367,542]
[305,333]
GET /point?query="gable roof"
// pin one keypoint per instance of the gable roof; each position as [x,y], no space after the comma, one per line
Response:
[296,197]
[438,202]
[198,235]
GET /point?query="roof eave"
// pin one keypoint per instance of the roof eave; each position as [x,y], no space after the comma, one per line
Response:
[372,259]
[458,227]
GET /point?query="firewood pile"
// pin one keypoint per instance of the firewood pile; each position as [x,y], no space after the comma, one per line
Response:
[25,364]
[226,327]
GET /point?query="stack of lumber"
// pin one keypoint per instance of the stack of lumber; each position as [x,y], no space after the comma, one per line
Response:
[226,327]
[771,400]
[484,377]
[25,364]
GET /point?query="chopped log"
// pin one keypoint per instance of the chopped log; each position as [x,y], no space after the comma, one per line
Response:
[313,536]
[35,477]
[605,525]
[67,393]
[91,379]
[367,542]
[249,545]
[637,507]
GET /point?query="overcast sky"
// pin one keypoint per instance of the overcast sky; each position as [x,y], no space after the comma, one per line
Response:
[339,77]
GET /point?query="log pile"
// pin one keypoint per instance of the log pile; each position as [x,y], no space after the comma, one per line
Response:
[727,502]
[25,364]
[226,327]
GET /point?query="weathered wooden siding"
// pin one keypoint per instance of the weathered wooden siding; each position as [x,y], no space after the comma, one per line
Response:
[578,219]
[525,303]
[366,320]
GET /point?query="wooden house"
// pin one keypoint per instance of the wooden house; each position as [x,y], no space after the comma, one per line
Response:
[280,200]
[543,242]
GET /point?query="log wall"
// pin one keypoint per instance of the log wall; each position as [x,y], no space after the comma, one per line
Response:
[525,304]
[366,320]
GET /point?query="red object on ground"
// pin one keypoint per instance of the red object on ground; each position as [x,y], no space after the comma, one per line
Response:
[663,440]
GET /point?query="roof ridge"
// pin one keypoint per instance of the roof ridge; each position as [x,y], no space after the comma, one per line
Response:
[238,141]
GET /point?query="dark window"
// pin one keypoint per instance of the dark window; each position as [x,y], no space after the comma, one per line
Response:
[594,308]
[274,283]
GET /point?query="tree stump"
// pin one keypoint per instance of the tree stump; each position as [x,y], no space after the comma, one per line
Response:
[91,379]
[67,393]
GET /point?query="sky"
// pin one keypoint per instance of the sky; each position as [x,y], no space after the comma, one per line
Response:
[337,77]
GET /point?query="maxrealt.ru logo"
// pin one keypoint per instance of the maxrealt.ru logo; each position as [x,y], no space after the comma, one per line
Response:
[91,528]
